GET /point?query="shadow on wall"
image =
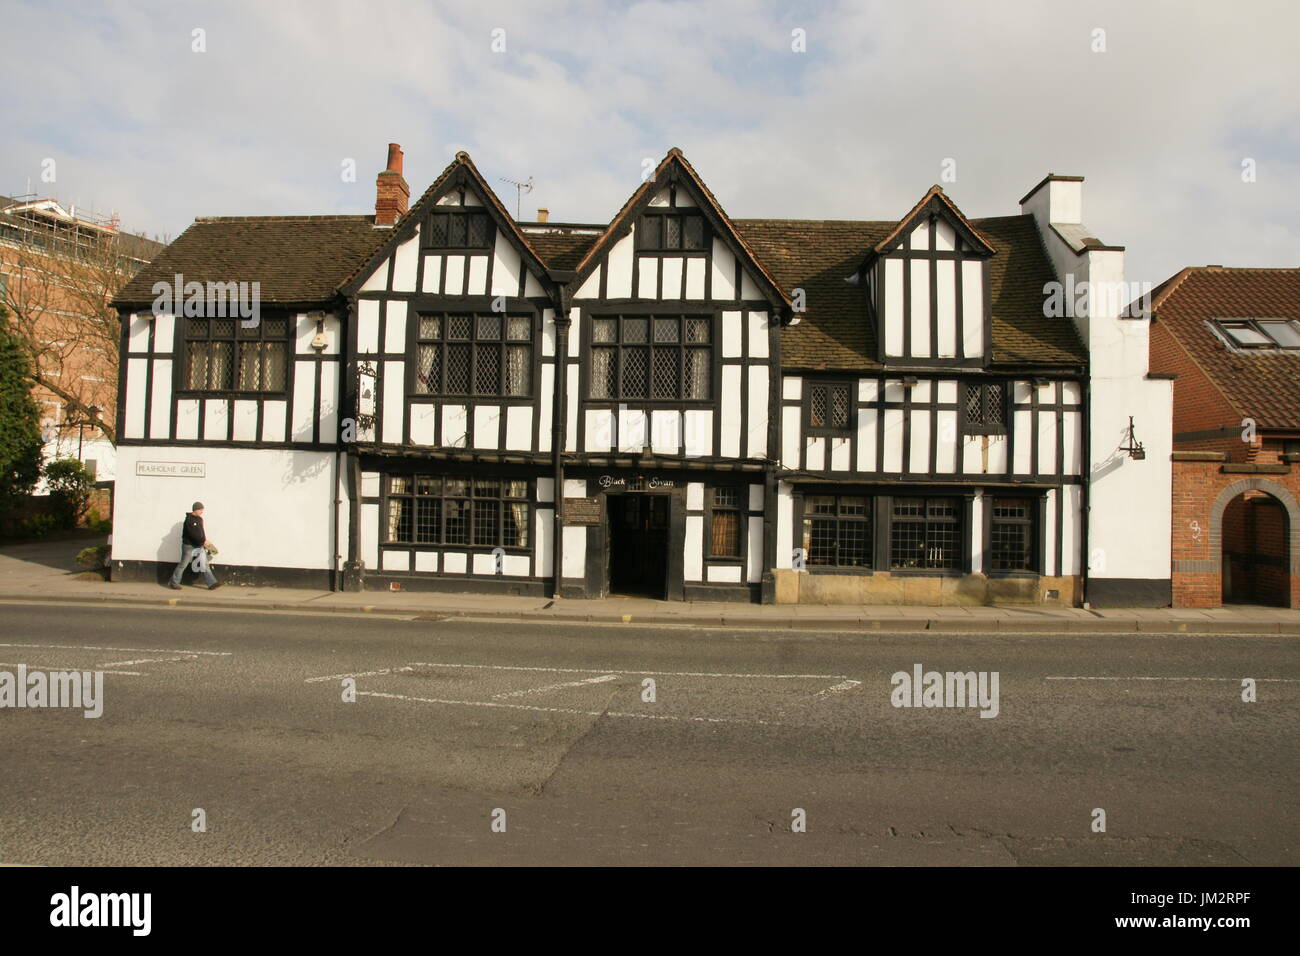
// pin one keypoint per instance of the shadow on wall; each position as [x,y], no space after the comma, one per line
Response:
[304,468]
[169,551]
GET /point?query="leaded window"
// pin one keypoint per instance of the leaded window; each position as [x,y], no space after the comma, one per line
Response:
[226,355]
[488,354]
[447,510]
[667,357]
[1012,534]
[671,232]
[458,228]
[829,408]
[925,533]
[837,530]
[985,408]
[724,523]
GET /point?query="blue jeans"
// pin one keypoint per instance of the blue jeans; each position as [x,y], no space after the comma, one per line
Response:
[194,556]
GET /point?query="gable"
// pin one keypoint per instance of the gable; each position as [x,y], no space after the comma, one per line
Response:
[456,240]
[672,241]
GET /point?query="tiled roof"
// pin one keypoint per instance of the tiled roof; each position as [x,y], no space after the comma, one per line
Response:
[296,259]
[835,332]
[561,249]
[1263,385]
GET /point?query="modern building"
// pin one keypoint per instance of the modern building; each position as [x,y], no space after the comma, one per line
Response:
[673,403]
[1232,337]
[59,268]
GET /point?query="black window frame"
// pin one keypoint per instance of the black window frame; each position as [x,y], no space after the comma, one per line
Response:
[843,520]
[1031,521]
[240,334]
[736,508]
[476,493]
[621,344]
[443,342]
[458,217]
[661,217]
[831,389]
[987,402]
[927,521]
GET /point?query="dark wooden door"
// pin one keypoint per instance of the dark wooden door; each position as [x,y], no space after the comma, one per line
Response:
[638,544]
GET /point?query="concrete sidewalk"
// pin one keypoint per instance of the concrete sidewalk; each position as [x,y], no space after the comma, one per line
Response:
[47,571]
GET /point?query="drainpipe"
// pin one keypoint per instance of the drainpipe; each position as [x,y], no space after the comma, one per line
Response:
[559,429]
[1084,497]
[352,570]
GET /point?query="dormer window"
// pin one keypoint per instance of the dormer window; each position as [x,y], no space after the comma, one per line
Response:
[671,232]
[459,230]
[1260,333]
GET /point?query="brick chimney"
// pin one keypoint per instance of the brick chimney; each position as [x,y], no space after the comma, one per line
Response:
[392,195]
[543,215]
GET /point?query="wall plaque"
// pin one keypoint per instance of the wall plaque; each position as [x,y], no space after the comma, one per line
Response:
[582,511]
[171,469]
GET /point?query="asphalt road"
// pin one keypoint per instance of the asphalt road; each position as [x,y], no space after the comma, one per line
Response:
[545,727]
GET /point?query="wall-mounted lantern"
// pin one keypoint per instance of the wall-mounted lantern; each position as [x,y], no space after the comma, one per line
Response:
[1132,447]
[318,341]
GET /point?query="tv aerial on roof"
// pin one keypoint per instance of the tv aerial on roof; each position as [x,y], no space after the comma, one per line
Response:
[520,188]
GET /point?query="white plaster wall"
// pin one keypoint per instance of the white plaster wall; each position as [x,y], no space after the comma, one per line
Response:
[264,507]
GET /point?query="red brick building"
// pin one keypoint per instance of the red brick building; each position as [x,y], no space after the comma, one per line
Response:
[1232,338]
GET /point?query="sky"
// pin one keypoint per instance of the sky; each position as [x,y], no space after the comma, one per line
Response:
[1184,118]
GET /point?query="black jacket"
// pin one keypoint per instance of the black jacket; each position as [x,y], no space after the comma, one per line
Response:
[192,534]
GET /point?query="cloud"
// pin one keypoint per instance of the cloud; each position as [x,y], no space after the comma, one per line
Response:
[856,127]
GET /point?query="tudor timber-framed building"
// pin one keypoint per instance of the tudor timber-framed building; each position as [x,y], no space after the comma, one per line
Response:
[674,403]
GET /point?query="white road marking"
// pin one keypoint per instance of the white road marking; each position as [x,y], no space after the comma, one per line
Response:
[610,670]
[603,679]
[380,673]
[149,650]
[64,667]
[1258,680]
[841,686]
[556,710]
[149,660]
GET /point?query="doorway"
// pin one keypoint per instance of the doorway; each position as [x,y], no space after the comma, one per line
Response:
[1255,545]
[638,544]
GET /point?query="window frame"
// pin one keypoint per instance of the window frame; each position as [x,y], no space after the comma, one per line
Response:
[831,387]
[240,334]
[970,427]
[1034,521]
[472,495]
[1257,325]
[957,521]
[450,213]
[682,213]
[442,343]
[739,509]
[841,518]
[620,345]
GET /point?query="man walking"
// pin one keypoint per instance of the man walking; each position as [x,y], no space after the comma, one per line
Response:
[194,545]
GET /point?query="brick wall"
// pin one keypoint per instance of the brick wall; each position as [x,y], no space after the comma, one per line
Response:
[1250,514]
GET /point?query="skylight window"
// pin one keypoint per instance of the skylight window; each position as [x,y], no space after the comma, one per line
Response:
[1261,333]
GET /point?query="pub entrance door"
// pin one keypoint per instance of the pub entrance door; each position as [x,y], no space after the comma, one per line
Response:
[638,544]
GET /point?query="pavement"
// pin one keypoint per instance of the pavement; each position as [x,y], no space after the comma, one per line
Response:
[47,571]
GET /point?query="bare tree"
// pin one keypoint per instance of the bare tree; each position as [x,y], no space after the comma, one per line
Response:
[58,288]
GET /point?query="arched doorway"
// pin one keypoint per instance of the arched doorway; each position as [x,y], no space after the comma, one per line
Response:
[1252,532]
[1255,550]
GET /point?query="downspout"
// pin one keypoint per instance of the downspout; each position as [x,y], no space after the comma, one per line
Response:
[1084,497]
[353,573]
[559,430]
[771,488]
